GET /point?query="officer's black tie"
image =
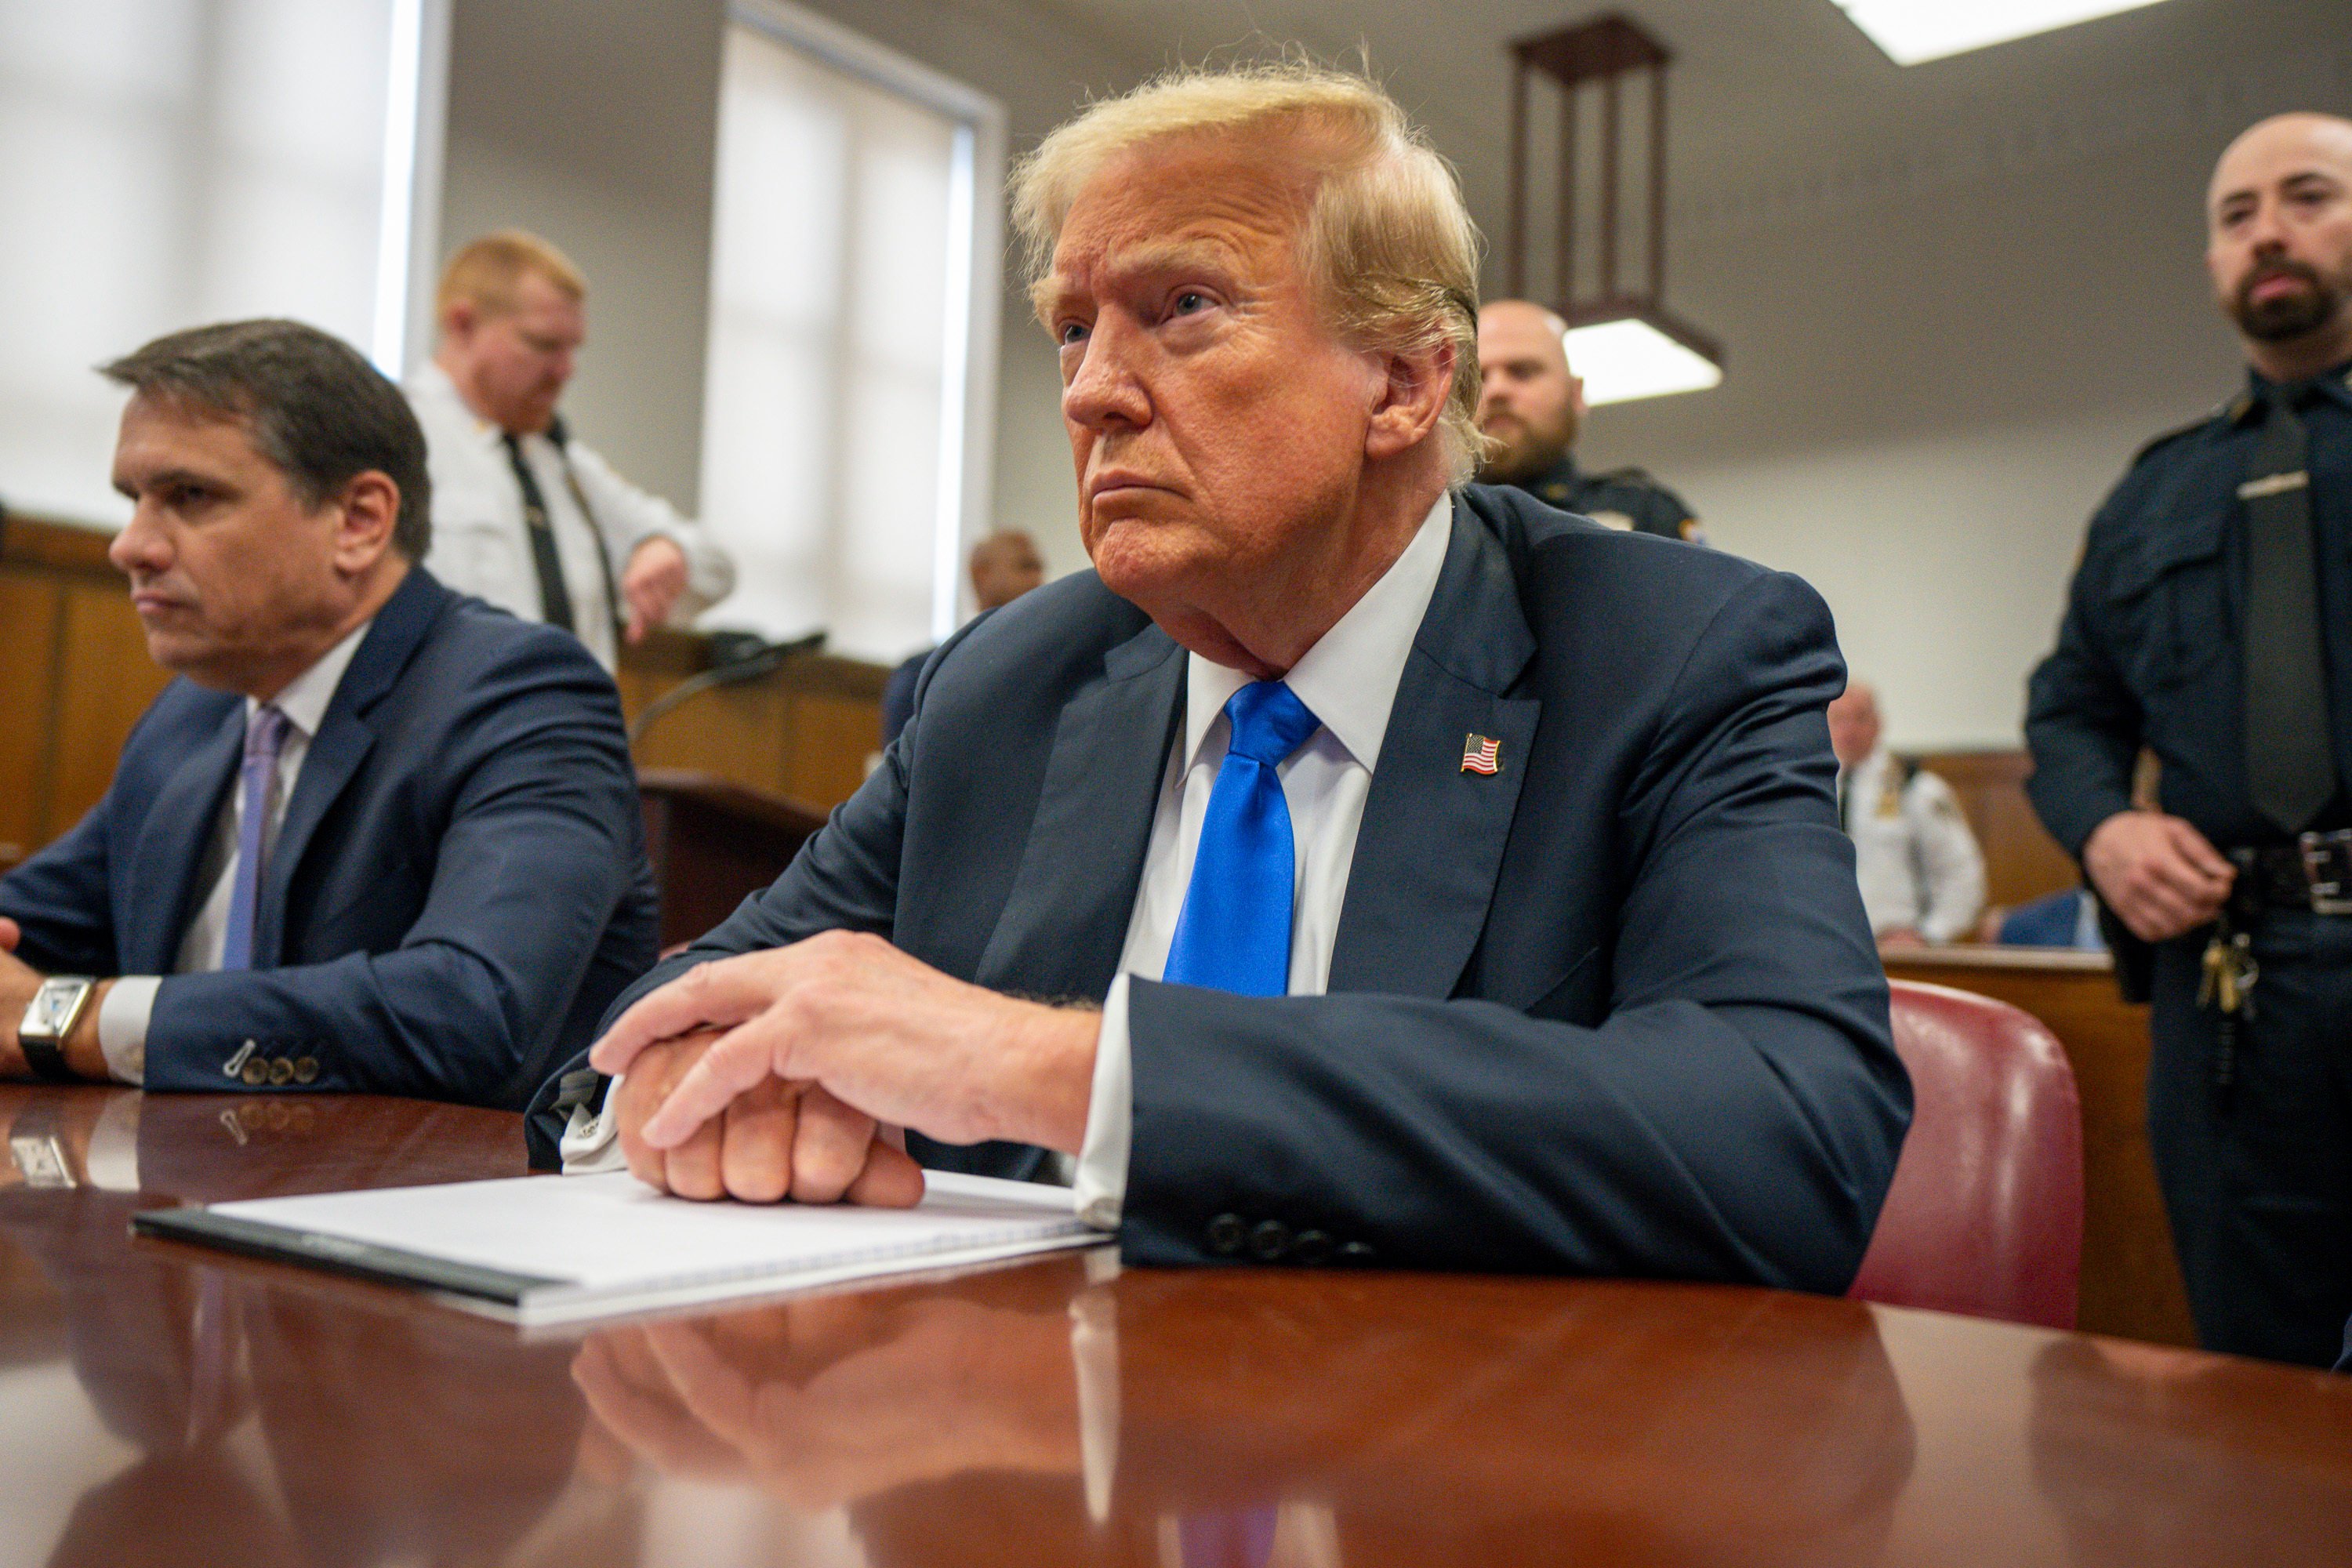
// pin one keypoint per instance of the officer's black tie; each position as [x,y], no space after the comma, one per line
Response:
[2290,768]
[554,600]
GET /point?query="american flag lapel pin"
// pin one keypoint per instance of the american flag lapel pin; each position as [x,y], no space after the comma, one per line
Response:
[1481,754]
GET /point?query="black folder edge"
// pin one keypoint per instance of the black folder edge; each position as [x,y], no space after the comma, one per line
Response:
[338,1254]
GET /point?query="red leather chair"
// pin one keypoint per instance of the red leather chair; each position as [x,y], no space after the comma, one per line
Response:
[1985,1217]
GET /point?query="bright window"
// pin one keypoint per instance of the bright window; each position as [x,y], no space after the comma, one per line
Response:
[165,163]
[854,276]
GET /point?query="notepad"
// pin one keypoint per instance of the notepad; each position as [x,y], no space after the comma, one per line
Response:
[554,1249]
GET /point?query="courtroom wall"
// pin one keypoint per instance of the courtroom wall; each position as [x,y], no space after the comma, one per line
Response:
[1937,369]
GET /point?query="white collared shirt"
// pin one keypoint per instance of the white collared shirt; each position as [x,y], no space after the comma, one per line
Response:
[482,545]
[1916,860]
[129,1002]
[1348,681]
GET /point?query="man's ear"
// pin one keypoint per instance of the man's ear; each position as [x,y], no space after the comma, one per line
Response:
[458,320]
[1411,399]
[369,511]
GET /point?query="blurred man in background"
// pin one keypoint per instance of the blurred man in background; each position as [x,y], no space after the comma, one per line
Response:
[524,515]
[1530,409]
[2210,621]
[1005,565]
[1922,874]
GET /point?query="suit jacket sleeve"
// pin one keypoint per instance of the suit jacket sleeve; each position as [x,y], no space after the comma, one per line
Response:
[2082,721]
[539,848]
[58,898]
[1735,1115]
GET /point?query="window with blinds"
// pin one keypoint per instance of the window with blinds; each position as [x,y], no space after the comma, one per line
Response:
[165,163]
[855,273]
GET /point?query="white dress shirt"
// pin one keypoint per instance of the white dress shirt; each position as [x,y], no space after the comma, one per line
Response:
[1348,681]
[129,1002]
[1918,864]
[482,545]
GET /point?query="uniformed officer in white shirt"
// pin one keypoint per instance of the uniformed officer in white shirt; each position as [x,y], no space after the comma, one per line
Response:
[523,516]
[1922,874]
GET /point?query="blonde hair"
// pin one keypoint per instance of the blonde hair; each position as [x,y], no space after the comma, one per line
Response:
[1386,237]
[488,270]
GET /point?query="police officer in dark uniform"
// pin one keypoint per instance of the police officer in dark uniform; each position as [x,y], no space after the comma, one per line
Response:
[1531,407]
[2210,621]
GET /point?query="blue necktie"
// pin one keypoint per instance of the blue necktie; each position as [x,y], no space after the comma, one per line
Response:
[263,737]
[1235,931]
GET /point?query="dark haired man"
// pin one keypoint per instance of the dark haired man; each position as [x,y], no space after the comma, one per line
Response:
[2210,622]
[378,837]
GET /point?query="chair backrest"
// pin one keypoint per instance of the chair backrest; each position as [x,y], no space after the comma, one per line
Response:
[1985,1217]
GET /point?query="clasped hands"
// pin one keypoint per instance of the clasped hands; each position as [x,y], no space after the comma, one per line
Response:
[793,1073]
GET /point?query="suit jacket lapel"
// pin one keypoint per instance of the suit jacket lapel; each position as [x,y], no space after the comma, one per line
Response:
[180,827]
[344,738]
[1431,845]
[1064,921]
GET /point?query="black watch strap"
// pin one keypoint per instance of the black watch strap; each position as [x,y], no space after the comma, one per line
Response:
[46,1059]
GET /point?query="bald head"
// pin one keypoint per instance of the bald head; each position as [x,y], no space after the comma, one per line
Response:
[1854,723]
[2278,218]
[1530,406]
[1004,566]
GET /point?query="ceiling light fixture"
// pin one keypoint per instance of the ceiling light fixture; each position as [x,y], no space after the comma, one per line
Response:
[1911,31]
[1622,340]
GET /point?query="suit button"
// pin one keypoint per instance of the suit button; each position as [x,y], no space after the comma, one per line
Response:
[255,1073]
[281,1072]
[306,1069]
[1312,1247]
[1358,1253]
[1269,1241]
[1227,1235]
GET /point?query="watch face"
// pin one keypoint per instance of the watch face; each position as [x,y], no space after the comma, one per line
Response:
[52,1005]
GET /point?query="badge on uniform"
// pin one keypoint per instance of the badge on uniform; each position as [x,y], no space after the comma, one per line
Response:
[1481,754]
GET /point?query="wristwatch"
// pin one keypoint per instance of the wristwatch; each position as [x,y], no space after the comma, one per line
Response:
[49,1017]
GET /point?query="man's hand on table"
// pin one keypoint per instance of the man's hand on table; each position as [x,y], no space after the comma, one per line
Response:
[788,1072]
[18,982]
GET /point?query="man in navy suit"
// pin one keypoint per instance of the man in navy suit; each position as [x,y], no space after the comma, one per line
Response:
[377,837]
[1356,867]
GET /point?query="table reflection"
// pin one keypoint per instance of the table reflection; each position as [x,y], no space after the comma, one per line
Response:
[1157,1418]
[2149,1454]
[272,1424]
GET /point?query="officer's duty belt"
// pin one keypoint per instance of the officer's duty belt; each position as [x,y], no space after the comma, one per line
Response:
[2314,873]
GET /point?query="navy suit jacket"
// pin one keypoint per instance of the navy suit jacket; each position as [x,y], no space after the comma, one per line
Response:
[457,891]
[1613,1010]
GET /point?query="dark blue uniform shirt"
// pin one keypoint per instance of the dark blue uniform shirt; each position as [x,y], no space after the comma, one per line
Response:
[1622,498]
[2150,650]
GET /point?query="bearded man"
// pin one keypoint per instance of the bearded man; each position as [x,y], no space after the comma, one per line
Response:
[2210,622]
[1357,867]
[1530,410]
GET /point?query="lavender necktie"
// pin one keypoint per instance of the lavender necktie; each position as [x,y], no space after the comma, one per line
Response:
[265,733]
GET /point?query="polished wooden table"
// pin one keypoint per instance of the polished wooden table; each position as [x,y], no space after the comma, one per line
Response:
[162,1405]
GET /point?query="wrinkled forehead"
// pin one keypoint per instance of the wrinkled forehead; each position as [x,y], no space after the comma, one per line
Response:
[1237,197]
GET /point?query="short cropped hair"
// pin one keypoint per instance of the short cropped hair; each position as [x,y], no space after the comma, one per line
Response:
[1388,240]
[488,271]
[311,405]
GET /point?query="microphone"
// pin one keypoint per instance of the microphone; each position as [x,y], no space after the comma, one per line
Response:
[735,657]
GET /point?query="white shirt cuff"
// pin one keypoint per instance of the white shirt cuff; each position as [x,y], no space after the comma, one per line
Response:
[590,1145]
[123,1025]
[1100,1184]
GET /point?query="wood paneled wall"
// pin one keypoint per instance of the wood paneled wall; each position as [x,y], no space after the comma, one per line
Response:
[73,662]
[805,732]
